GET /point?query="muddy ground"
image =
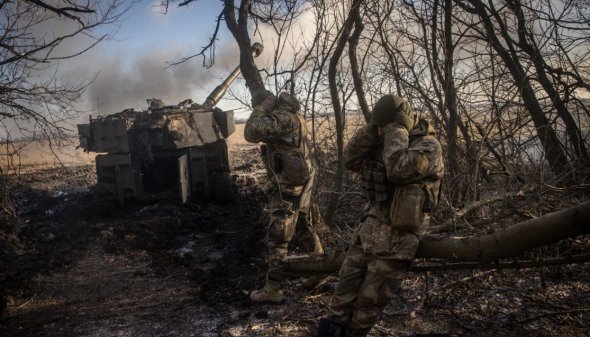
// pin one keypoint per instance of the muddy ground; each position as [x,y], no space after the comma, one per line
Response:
[88,267]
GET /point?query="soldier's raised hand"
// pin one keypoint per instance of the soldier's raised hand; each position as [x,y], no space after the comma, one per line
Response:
[393,109]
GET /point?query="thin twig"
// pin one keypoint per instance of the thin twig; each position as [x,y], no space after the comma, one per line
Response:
[554,313]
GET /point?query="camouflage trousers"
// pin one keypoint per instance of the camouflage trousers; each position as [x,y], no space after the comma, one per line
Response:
[366,285]
[288,212]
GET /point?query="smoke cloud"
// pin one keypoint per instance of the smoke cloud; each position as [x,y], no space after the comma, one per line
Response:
[126,80]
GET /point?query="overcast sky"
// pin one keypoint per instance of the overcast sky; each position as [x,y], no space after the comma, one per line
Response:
[133,66]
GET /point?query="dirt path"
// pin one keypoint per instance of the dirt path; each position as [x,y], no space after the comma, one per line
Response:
[106,294]
[148,269]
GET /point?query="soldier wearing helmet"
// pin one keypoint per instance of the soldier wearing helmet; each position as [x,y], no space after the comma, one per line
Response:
[276,122]
[400,164]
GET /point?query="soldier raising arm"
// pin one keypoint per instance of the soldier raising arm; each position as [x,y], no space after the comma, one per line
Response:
[276,122]
[411,153]
[267,124]
[401,165]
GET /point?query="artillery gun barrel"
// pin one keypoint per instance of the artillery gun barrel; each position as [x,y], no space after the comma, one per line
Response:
[221,89]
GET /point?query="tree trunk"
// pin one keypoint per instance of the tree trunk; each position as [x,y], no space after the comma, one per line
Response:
[509,242]
[448,83]
[239,30]
[513,240]
[339,111]
[354,66]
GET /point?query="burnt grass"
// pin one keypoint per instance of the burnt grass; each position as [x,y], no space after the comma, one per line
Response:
[85,266]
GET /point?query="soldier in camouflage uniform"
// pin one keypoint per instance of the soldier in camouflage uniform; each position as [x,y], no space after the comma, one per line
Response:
[277,123]
[401,165]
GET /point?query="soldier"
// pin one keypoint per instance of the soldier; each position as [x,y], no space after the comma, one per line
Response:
[276,122]
[401,165]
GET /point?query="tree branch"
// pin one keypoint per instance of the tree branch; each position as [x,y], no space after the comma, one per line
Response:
[65,11]
[354,66]
[210,45]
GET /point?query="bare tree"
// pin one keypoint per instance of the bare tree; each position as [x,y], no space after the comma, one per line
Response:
[339,109]
[529,41]
[497,32]
[355,68]
[35,34]
[245,18]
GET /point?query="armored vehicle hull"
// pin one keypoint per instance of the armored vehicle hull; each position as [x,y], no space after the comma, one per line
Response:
[179,148]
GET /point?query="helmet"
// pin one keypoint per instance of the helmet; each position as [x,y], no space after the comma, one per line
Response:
[288,102]
[259,95]
[388,107]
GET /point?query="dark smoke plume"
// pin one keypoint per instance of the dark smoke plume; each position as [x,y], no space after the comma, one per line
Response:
[126,81]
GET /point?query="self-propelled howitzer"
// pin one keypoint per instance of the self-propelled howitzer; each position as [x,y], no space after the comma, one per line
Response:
[179,147]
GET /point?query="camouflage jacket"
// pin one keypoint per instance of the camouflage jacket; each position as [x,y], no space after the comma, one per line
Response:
[285,152]
[401,173]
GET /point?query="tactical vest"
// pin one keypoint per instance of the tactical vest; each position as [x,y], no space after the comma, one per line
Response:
[400,205]
[287,158]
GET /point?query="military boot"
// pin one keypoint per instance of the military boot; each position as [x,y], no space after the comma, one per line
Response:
[330,328]
[349,334]
[270,293]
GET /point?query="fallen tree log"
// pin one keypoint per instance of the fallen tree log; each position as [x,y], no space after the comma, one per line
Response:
[510,242]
